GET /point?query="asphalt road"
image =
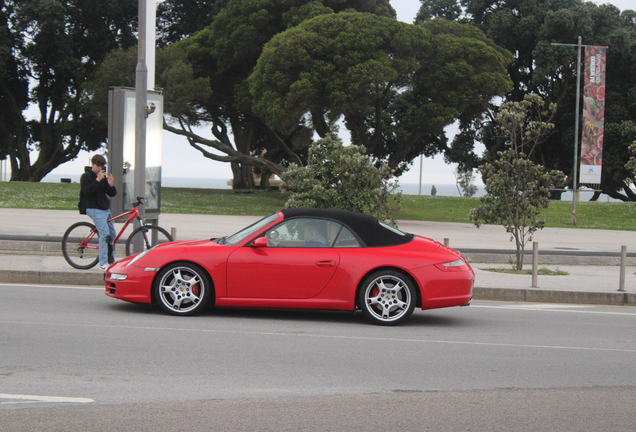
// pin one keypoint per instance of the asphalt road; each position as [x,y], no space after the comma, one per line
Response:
[73,359]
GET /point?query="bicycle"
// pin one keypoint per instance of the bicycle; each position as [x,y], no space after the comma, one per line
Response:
[80,244]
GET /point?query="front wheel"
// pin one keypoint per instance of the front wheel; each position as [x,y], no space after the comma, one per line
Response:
[387,297]
[183,289]
[80,245]
[146,237]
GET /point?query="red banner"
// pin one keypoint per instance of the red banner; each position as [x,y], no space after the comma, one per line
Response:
[593,114]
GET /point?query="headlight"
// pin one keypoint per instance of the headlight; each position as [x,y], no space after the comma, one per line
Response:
[118,276]
[137,258]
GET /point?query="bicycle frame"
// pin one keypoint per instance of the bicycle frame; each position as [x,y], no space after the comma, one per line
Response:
[132,214]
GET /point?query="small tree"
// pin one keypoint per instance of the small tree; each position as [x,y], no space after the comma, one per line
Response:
[465,182]
[516,188]
[342,178]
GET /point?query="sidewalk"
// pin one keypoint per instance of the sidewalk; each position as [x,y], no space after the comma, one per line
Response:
[30,253]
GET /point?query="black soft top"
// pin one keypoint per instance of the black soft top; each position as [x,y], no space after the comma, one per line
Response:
[368,228]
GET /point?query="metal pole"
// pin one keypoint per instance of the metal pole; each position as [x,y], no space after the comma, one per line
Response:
[141,79]
[535,263]
[421,163]
[621,283]
[576,132]
[141,83]
[151,21]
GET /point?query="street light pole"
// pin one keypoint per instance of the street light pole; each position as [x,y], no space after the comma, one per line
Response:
[141,83]
[576,127]
[576,132]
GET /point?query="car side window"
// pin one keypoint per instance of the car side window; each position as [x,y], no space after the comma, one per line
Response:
[303,233]
[346,239]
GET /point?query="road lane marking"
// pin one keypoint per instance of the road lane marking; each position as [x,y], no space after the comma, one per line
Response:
[41,399]
[308,335]
[554,308]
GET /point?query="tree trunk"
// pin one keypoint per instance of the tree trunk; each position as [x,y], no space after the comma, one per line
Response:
[519,240]
[265,181]
[243,131]
[243,176]
[596,196]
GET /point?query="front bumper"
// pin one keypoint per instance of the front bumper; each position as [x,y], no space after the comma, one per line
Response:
[135,288]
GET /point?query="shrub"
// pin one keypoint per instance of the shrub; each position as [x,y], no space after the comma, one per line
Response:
[343,178]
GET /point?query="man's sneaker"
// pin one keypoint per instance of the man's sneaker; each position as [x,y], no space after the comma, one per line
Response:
[103,266]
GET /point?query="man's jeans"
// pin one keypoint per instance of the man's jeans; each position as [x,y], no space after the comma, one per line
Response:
[104,228]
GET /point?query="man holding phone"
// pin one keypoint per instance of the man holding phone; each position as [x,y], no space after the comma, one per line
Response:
[96,187]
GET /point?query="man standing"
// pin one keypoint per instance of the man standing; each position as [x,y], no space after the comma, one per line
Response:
[96,187]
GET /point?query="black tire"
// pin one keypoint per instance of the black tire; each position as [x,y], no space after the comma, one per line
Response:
[155,235]
[182,289]
[82,258]
[387,297]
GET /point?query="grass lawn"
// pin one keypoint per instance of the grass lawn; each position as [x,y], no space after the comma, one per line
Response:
[64,196]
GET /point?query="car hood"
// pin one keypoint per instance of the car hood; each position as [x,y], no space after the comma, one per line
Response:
[191,243]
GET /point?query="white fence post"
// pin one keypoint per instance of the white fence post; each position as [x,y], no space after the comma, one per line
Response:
[621,283]
[535,263]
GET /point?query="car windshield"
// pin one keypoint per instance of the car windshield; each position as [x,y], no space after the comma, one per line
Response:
[235,239]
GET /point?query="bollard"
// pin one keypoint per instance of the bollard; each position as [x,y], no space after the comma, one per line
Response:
[621,283]
[446,242]
[535,263]
[173,233]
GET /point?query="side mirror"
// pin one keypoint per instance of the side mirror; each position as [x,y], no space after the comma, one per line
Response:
[259,242]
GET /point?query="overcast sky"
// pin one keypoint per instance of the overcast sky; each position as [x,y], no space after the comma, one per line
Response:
[181,160]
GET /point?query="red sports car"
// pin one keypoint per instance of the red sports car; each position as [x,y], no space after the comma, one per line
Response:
[303,259]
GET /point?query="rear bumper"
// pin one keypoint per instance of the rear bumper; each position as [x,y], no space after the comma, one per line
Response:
[448,289]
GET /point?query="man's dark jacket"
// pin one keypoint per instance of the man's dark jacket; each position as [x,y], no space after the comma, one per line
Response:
[94,192]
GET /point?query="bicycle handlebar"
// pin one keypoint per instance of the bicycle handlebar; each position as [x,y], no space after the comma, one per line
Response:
[139,201]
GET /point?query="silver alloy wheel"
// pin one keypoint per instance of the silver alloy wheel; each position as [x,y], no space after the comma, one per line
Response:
[181,289]
[388,298]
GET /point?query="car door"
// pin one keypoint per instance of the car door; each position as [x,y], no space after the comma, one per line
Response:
[286,268]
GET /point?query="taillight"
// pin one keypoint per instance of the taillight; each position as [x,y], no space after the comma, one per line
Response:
[457,265]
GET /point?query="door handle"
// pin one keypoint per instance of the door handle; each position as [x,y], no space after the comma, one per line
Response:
[325,263]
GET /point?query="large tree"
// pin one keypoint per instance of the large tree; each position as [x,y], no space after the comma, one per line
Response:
[226,53]
[397,85]
[528,29]
[57,44]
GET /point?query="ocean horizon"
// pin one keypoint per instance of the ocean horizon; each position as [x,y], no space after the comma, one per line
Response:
[405,188]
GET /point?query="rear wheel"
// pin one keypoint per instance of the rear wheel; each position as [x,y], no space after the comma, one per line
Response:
[183,289]
[80,245]
[387,297]
[147,236]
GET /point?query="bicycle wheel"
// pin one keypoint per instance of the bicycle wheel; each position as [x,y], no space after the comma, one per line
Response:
[148,236]
[80,245]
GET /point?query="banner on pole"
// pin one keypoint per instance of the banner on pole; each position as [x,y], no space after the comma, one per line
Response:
[593,115]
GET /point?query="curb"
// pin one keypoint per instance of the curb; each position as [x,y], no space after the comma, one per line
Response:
[534,295]
[51,277]
[530,295]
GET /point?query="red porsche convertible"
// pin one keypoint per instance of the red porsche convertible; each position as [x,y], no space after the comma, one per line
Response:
[303,259]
